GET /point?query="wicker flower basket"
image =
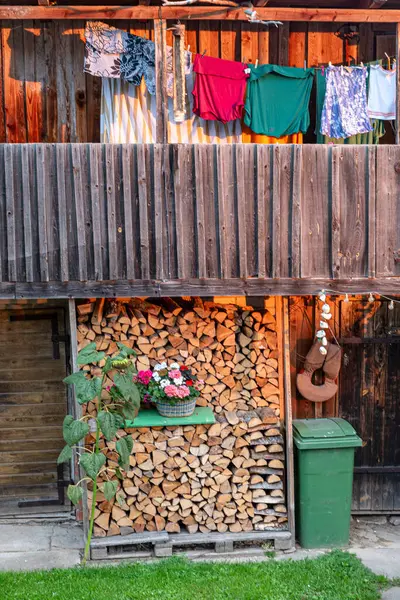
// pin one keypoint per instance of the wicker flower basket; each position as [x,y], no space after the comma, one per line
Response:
[184,408]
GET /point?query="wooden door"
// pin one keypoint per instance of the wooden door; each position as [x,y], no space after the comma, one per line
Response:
[369,397]
[33,403]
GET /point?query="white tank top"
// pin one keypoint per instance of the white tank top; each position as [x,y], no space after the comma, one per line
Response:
[382,93]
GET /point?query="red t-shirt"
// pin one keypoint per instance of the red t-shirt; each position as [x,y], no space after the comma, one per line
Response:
[219,88]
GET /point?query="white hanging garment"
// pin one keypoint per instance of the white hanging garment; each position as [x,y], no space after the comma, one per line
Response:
[128,116]
[382,93]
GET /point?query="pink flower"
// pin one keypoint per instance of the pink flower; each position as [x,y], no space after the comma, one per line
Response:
[175,374]
[171,391]
[144,377]
[183,391]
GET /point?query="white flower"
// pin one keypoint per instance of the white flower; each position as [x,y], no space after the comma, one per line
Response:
[174,366]
[178,381]
[156,377]
[160,366]
[164,383]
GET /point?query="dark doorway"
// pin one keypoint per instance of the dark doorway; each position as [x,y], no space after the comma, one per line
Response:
[33,404]
[369,398]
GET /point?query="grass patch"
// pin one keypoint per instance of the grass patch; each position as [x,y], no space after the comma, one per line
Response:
[334,576]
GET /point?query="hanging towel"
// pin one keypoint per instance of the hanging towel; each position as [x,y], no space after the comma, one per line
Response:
[219,88]
[345,106]
[382,93]
[129,113]
[372,137]
[112,53]
[277,100]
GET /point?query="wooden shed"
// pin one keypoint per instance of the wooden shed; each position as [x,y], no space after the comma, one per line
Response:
[248,231]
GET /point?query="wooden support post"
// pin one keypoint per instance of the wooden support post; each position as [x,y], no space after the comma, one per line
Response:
[77,473]
[398,83]
[288,420]
[160,26]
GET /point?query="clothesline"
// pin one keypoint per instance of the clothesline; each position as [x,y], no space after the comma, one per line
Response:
[271,100]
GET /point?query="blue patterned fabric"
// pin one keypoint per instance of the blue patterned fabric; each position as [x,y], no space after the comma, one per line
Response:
[345,111]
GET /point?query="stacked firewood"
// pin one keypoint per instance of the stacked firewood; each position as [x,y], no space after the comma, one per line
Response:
[228,476]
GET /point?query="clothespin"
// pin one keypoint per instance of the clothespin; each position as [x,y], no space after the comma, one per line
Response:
[188,48]
[204,52]
[305,65]
[362,64]
[330,64]
[256,65]
[323,70]
[388,58]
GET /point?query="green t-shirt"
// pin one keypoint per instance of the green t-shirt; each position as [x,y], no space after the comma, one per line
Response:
[277,100]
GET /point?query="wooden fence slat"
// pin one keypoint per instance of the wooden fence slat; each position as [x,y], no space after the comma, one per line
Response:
[200,212]
[315,219]
[142,154]
[43,199]
[295,222]
[127,173]
[79,202]
[111,212]
[262,189]
[336,157]
[276,212]
[241,196]
[27,189]
[10,207]
[95,160]
[224,160]
[61,163]
[371,210]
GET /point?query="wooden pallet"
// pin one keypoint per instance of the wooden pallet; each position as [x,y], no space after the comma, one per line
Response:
[164,543]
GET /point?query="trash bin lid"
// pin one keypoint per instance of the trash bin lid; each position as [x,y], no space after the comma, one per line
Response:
[324,433]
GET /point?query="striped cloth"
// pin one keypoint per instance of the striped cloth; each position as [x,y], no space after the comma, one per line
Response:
[128,116]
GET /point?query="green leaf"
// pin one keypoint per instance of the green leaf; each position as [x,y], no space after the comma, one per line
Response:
[65,455]
[118,474]
[108,424]
[125,350]
[124,449]
[129,411]
[74,493]
[108,365]
[86,389]
[92,463]
[110,489]
[89,354]
[127,388]
[74,431]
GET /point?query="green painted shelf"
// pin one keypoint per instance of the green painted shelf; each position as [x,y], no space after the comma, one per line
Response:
[203,415]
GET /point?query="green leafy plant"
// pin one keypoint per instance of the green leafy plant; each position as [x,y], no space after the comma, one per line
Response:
[122,402]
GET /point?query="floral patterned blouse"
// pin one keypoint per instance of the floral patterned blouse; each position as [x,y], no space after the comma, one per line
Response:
[345,111]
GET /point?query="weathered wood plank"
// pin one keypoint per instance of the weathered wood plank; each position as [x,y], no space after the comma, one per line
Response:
[144,201]
[79,210]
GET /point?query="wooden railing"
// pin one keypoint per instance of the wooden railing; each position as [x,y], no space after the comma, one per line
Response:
[180,219]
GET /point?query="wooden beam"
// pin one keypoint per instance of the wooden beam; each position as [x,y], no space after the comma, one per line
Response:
[371,4]
[198,287]
[398,84]
[198,13]
[283,307]
[160,27]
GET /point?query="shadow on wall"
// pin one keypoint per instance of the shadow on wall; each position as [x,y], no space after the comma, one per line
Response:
[45,91]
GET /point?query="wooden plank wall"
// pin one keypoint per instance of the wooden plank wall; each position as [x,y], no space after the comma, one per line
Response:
[87,212]
[46,97]
[368,333]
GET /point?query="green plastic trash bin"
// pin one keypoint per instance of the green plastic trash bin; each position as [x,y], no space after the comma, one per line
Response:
[324,461]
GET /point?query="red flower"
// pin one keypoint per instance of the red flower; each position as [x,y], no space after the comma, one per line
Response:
[189,383]
[183,368]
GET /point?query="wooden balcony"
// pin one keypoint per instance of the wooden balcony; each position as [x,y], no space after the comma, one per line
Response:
[104,220]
